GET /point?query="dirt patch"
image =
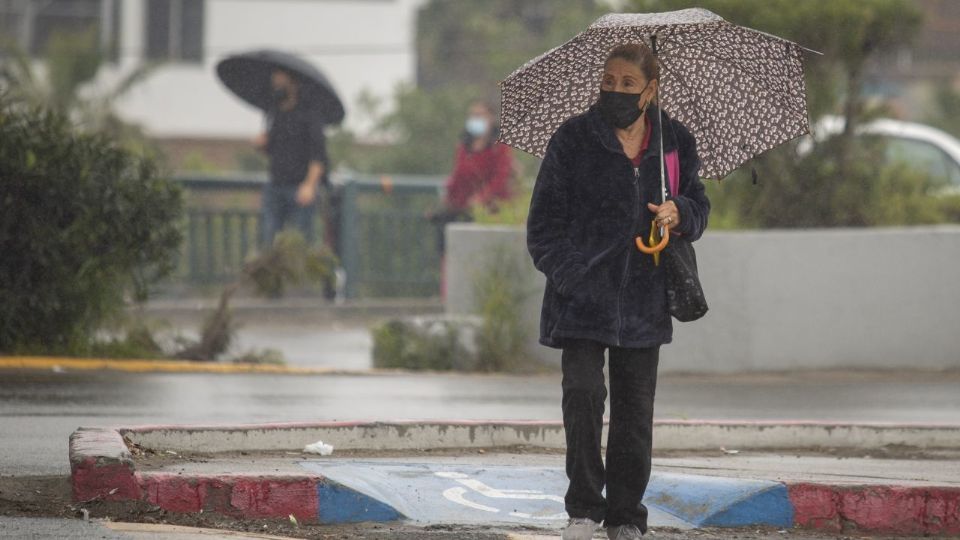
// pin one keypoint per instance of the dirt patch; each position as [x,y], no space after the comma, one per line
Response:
[35,496]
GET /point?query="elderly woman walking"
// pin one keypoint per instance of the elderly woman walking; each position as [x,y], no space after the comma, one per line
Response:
[599,184]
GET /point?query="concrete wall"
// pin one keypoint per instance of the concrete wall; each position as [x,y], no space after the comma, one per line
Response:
[783,300]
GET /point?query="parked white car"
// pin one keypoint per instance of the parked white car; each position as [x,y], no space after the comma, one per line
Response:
[920,146]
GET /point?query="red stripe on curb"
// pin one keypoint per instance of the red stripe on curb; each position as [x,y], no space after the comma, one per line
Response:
[178,494]
[101,467]
[248,497]
[943,511]
[111,481]
[897,510]
[262,498]
[815,507]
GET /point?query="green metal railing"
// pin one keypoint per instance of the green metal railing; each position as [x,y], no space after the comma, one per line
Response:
[387,245]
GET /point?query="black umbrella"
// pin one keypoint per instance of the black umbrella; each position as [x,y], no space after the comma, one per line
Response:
[248,76]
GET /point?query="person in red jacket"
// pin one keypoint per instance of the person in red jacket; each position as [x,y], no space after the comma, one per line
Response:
[482,174]
[483,169]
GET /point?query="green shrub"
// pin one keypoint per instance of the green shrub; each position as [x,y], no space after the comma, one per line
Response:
[271,357]
[809,191]
[83,224]
[289,261]
[510,212]
[950,207]
[493,340]
[421,343]
[500,291]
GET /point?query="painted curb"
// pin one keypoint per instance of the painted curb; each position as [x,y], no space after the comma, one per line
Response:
[673,499]
[899,510]
[103,468]
[308,498]
[709,501]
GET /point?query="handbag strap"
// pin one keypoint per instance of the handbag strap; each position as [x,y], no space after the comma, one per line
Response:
[673,172]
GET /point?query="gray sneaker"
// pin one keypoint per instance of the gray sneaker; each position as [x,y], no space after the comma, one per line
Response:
[580,529]
[624,532]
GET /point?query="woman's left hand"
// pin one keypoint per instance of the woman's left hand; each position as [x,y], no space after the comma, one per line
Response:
[667,214]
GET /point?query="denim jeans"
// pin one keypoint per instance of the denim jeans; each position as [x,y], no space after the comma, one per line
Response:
[633,383]
[279,208]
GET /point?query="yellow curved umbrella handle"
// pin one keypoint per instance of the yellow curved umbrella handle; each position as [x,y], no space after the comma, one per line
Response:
[642,246]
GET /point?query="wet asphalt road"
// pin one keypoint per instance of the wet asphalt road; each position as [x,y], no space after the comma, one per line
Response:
[39,410]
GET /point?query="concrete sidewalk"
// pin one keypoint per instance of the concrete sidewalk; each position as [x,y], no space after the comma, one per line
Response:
[510,474]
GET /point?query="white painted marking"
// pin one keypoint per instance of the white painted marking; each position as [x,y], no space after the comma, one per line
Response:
[456,494]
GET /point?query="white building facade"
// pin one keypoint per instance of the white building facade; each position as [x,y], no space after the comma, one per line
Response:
[363,46]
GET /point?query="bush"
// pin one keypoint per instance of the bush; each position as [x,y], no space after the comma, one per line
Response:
[441,343]
[809,190]
[493,340]
[500,291]
[950,207]
[83,224]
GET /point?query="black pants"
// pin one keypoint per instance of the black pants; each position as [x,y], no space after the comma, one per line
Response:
[633,384]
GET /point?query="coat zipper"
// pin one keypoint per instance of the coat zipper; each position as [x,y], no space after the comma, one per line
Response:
[626,266]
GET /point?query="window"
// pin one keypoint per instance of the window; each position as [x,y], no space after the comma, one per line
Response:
[31,23]
[175,30]
[923,157]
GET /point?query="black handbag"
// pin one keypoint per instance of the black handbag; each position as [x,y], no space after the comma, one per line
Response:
[685,299]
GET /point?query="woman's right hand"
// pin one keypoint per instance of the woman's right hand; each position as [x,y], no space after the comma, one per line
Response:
[667,214]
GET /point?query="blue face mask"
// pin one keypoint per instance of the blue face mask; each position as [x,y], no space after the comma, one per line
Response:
[477,126]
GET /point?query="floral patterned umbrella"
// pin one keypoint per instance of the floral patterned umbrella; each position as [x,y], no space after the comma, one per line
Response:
[738,90]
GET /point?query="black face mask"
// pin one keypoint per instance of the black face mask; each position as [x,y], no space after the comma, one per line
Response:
[620,109]
[280,95]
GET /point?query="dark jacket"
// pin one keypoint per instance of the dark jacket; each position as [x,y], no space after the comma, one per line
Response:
[588,205]
[295,138]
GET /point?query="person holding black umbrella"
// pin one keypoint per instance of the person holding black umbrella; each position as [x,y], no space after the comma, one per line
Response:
[296,146]
[298,102]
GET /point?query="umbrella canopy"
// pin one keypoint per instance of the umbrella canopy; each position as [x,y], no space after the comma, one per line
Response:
[739,91]
[248,76]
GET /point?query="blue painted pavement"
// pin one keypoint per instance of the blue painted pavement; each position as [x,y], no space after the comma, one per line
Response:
[434,493]
[719,501]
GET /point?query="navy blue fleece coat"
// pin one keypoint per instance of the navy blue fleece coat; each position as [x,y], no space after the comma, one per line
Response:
[588,204]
